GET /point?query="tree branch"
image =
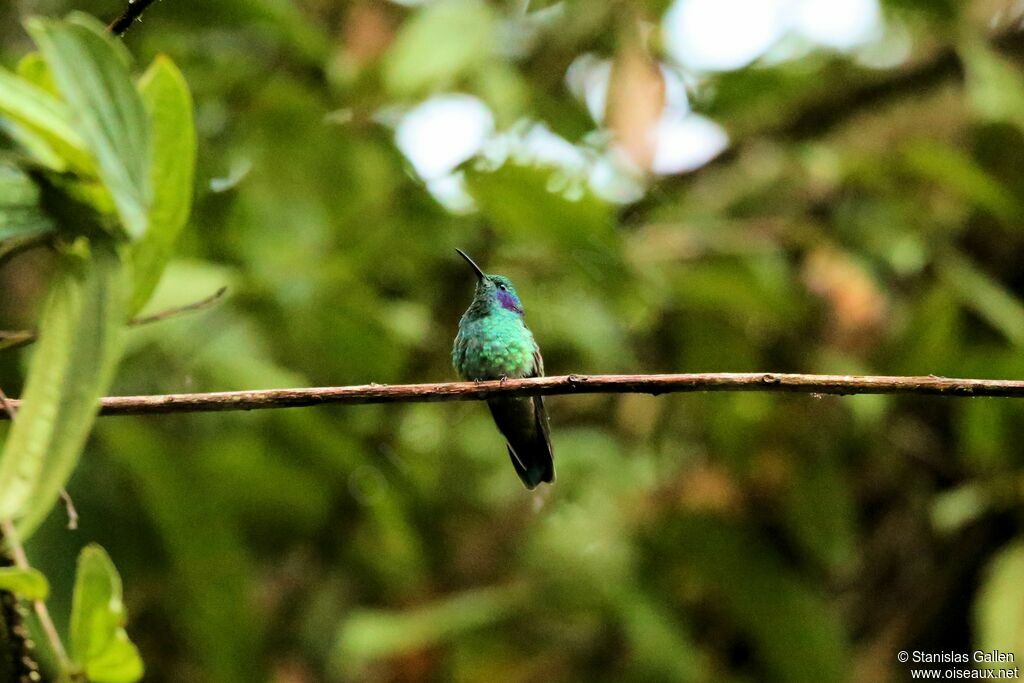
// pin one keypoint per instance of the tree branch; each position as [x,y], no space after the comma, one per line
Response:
[132,12]
[179,310]
[928,385]
[13,339]
[823,112]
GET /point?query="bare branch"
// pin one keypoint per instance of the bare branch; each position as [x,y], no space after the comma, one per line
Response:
[17,338]
[7,405]
[824,111]
[132,12]
[69,509]
[179,310]
[928,385]
[42,613]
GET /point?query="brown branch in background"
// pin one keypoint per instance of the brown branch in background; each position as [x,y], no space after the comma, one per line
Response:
[834,107]
[655,385]
[132,12]
[824,112]
[18,338]
[179,310]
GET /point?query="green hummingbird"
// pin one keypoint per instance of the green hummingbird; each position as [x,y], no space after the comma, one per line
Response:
[494,343]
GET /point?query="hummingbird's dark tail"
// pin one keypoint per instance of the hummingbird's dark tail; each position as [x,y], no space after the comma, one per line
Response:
[524,424]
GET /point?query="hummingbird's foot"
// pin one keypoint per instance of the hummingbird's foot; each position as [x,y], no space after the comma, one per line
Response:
[502,380]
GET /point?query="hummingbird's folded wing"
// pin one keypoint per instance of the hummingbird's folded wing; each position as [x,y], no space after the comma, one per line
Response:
[541,414]
[538,362]
[523,421]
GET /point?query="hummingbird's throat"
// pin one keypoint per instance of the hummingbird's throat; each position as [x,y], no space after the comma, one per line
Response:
[508,302]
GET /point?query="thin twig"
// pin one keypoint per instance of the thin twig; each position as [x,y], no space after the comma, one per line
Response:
[70,509]
[179,310]
[7,405]
[132,12]
[928,385]
[10,535]
[14,339]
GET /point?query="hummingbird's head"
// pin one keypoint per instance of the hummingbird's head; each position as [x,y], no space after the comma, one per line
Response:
[493,292]
[500,288]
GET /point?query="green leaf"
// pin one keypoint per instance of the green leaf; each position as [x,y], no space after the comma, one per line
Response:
[820,512]
[994,85]
[998,617]
[370,634]
[45,151]
[26,583]
[90,70]
[304,39]
[172,168]
[33,68]
[504,90]
[34,145]
[39,121]
[445,40]
[99,643]
[519,201]
[211,563]
[988,298]
[665,650]
[959,174]
[71,368]
[954,509]
[20,215]
[774,605]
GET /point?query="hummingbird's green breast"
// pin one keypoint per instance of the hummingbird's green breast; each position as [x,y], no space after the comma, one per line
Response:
[494,346]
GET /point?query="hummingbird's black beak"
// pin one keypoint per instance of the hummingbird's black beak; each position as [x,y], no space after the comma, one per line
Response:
[479,273]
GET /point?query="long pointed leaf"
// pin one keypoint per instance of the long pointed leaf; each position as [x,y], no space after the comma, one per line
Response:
[71,368]
[169,105]
[32,112]
[91,72]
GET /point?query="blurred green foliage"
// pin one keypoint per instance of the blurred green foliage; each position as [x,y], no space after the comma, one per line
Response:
[94,179]
[864,220]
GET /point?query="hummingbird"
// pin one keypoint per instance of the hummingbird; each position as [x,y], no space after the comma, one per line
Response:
[494,343]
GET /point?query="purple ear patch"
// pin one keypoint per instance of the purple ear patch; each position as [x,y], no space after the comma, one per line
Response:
[508,302]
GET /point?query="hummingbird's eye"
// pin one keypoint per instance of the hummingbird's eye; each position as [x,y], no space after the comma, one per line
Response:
[502,287]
